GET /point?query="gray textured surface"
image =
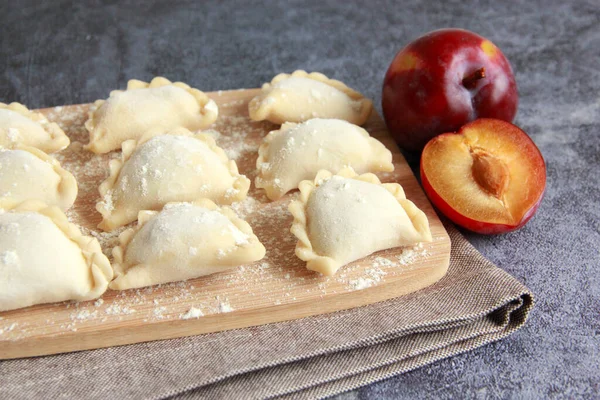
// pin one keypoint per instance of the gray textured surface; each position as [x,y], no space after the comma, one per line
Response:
[59,52]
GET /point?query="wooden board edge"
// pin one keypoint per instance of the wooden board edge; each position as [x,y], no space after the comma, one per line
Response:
[120,336]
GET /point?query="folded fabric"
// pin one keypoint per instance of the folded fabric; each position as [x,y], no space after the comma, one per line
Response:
[474,304]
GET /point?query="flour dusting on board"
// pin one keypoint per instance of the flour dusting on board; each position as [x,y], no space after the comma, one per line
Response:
[193,312]
[278,279]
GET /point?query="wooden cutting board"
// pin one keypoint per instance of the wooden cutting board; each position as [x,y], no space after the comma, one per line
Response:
[277,288]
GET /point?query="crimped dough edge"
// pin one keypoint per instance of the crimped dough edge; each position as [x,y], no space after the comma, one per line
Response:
[260,110]
[208,108]
[241,183]
[118,252]
[304,248]
[100,268]
[58,139]
[263,151]
[67,187]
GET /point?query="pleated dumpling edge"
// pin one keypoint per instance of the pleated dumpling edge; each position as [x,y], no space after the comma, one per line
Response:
[297,151]
[74,283]
[116,214]
[300,96]
[21,126]
[206,239]
[22,166]
[328,242]
[165,105]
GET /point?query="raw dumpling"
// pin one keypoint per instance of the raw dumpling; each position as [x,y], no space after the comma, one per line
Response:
[342,218]
[27,173]
[302,96]
[183,241]
[147,109]
[45,259]
[298,151]
[178,166]
[19,126]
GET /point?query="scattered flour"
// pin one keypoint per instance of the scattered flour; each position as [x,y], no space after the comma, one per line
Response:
[116,309]
[193,312]
[83,315]
[224,306]
[410,255]
[9,257]
[107,240]
[13,134]
[372,276]
[360,283]
[381,266]
[158,312]
[245,207]
[8,328]
[107,201]
[383,262]
[231,136]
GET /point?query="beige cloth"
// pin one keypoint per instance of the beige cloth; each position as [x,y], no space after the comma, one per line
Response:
[474,304]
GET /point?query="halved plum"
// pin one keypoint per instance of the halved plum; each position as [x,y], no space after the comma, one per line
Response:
[489,177]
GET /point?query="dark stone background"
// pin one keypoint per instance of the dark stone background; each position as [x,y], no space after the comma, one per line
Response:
[61,52]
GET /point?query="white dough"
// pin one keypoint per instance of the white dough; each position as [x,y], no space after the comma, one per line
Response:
[342,218]
[302,96]
[27,173]
[183,241]
[147,109]
[19,126]
[296,152]
[45,259]
[178,166]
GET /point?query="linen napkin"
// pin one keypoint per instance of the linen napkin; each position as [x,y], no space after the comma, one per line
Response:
[474,304]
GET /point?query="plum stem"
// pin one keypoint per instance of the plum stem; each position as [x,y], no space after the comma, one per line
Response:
[470,81]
